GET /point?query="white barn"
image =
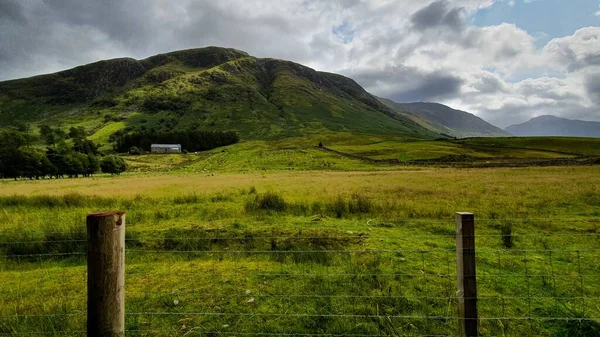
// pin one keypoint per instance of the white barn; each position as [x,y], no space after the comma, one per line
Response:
[165,148]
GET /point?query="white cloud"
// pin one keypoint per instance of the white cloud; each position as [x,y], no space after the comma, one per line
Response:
[578,51]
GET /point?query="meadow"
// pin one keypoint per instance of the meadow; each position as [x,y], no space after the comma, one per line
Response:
[220,252]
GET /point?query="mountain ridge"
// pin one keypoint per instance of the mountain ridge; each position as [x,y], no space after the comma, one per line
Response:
[550,125]
[208,88]
[445,120]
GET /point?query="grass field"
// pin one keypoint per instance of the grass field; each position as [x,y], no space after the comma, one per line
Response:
[282,252]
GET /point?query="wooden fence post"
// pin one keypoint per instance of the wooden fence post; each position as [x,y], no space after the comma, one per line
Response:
[106,274]
[466,275]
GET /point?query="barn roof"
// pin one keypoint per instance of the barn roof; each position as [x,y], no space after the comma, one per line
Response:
[165,145]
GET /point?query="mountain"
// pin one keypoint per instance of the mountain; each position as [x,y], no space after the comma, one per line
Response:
[208,89]
[443,119]
[555,126]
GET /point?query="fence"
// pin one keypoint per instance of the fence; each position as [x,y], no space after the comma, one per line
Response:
[304,283]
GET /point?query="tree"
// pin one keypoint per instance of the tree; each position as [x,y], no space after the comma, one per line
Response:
[52,136]
[76,163]
[47,135]
[85,146]
[22,127]
[93,165]
[15,160]
[58,158]
[77,132]
[113,164]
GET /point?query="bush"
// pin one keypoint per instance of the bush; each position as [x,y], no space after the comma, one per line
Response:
[134,150]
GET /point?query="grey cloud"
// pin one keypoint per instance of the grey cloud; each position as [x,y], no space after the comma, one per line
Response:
[409,84]
[592,86]
[575,63]
[489,84]
[130,22]
[432,87]
[64,34]
[11,10]
[438,14]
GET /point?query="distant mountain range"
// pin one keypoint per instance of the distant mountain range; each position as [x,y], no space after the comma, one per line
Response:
[555,126]
[445,120]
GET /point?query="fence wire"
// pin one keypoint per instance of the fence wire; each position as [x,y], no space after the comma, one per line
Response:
[545,284]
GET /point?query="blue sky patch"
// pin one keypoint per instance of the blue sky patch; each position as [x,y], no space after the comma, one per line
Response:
[344,32]
[542,19]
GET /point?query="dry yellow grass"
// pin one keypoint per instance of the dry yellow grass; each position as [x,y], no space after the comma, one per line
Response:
[521,190]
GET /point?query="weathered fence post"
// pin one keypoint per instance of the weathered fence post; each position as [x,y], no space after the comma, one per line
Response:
[466,275]
[106,274]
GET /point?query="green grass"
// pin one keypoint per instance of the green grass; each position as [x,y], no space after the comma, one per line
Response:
[479,148]
[101,137]
[565,145]
[251,227]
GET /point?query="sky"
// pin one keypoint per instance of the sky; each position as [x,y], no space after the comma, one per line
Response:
[503,60]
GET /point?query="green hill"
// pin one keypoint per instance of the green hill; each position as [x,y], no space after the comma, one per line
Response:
[443,119]
[208,89]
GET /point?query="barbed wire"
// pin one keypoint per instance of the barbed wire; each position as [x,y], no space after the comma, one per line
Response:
[522,279]
[300,237]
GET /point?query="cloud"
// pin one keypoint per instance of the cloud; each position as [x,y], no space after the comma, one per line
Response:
[408,84]
[488,83]
[592,86]
[438,14]
[578,51]
[12,11]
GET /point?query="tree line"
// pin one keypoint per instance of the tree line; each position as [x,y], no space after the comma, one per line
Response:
[190,140]
[21,158]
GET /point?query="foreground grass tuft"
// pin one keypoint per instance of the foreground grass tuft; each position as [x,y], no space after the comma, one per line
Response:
[269,201]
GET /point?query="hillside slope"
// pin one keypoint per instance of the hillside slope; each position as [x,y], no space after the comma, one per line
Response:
[555,126]
[444,119]
[209,89]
